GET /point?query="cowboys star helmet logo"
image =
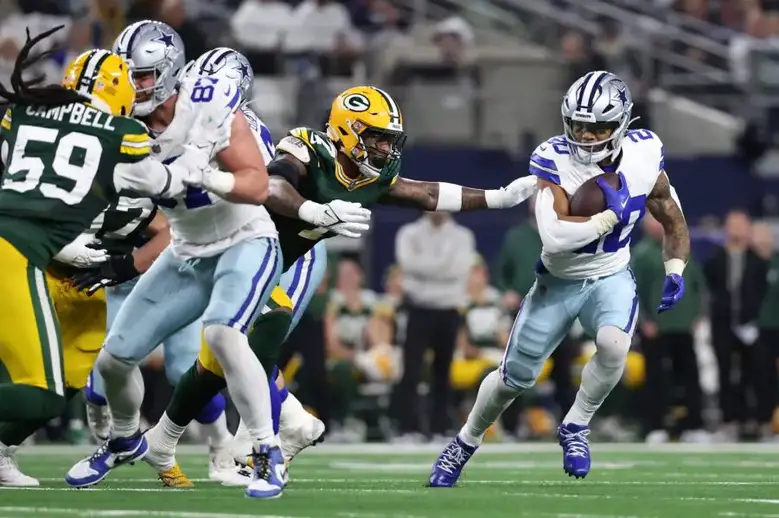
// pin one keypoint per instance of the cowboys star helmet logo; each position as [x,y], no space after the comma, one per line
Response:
[357,103]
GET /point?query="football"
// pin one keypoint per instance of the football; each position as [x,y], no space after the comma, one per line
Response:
[588,199]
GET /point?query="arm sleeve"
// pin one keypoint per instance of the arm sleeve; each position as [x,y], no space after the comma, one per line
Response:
[561,236]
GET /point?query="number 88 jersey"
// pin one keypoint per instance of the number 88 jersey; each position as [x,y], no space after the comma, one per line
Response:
[641,163]
[203,224]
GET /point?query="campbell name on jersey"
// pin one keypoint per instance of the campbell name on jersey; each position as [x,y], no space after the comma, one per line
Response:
[324,182]
[203,224]
[641,162]
[59,173]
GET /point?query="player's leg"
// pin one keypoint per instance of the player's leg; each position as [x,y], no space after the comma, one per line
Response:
[98,413]
[609,313]
[298,429]
[31,374]
[242,286]
[543,320]
[170,295]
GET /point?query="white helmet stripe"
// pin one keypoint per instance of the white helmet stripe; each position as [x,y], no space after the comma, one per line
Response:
[393,108]
[86,79]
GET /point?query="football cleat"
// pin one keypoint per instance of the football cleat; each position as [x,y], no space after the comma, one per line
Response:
[576,449]
[175,478]
[99,420]
[223,468]
[112,454]
[269,473]
[10,474]
[294,438]
[449,466]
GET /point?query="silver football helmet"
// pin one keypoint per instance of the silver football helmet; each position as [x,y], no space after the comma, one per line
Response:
[152,47]
[228,62]
[596,102]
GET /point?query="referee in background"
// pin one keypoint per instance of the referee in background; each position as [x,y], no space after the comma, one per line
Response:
[435,254]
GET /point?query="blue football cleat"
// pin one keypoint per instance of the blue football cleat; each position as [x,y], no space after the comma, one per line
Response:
[450,464]
[269,474]
[576,449]
[111,454]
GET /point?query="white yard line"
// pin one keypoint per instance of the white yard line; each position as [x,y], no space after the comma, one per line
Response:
[115,513]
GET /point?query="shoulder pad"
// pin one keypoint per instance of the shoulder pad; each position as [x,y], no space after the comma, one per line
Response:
[6,123]
[210,95]
[295,147]
[135,143]
[546,157]
[650,144]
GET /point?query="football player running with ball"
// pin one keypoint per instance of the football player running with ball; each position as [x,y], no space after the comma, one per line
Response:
[583,271]
[69,150]
[356,160]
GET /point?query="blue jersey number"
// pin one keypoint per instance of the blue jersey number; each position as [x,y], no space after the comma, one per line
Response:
[620,235]
[560,145]
[640,134]
[203,91]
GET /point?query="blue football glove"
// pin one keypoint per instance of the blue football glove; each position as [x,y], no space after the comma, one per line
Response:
[616,199]
[673,291]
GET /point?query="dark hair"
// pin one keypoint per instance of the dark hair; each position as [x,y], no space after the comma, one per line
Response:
[26,92]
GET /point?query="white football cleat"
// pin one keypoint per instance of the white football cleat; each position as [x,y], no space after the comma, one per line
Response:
[99,420]
[10,474]
[223,468]
[306,430]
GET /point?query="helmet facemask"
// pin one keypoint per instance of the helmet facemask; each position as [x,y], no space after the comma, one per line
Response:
[376,147]
[148,98]
[609,137]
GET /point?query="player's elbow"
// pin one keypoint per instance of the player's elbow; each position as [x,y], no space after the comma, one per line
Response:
[261,189]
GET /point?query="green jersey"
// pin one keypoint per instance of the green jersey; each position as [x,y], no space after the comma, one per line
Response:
[484,319]
[324,182]
[352,321]
[59,173]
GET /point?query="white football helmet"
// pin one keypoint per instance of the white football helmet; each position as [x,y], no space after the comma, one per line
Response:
[599,100]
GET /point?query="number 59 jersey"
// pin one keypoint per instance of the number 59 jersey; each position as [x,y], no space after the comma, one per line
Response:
[203,224]
[60,173]
[641,163]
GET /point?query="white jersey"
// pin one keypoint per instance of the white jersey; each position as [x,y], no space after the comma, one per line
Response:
[641,163]
[203,224]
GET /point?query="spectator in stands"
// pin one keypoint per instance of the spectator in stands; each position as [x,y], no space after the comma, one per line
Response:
[436,255]
[174,13]
[108,20]
[667,342]
[768,320]
[762,31]
[348,312]
[578,56]
[736,279]
[260,26]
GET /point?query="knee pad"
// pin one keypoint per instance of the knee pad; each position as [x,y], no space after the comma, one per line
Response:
[108,365]
[518,381]
[613,345]
[211,412]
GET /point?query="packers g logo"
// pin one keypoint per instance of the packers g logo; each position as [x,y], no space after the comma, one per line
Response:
[357,102]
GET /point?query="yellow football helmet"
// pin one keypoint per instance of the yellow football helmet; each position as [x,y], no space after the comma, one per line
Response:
[367,125]
[105,78]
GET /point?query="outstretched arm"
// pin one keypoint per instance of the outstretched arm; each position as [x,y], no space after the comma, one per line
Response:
[664,205]
[449,197]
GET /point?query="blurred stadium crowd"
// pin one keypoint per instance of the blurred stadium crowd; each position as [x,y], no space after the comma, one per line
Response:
[705,372]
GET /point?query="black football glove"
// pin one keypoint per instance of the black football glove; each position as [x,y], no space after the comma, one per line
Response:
[117,270]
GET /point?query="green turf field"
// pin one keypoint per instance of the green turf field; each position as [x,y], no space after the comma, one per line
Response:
[386,482]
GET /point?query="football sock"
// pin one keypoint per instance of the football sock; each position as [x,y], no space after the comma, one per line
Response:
[124,393]
[195,390]
[94,389]
[162,439]
[214,422]
[246,380]
[600,375]
[267,336]
[275,406]
[493,398]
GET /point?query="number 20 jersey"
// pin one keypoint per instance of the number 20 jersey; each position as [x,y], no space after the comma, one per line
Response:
[203,224]
[641,163]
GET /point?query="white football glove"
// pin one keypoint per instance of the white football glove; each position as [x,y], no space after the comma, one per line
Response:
[341,217]
[513,194]
[80,255]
